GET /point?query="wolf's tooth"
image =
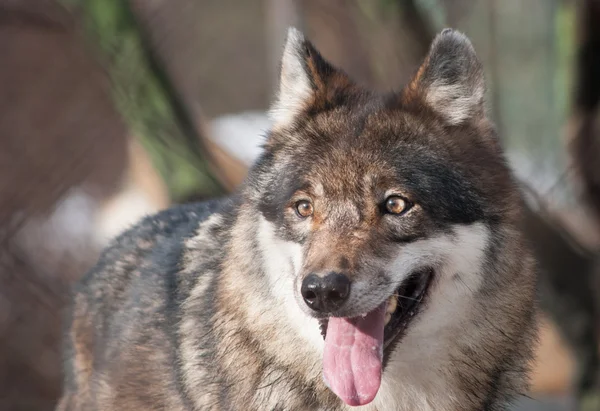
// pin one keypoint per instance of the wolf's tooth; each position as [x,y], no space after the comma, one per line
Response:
[388,317]
[392,304]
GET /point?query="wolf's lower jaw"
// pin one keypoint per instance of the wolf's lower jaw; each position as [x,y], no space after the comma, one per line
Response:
[401,307]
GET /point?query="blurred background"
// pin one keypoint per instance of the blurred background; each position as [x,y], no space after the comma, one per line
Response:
[113,109]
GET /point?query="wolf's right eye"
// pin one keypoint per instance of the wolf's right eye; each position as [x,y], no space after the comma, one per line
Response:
[395,204]
[304,208]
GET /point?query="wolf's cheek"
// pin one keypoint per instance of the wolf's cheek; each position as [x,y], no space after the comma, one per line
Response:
[459,252]
[283,264]
[456,257]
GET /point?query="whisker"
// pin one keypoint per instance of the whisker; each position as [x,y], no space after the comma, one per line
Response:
[408,298]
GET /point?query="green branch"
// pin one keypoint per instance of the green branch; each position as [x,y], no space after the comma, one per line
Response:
[146,98]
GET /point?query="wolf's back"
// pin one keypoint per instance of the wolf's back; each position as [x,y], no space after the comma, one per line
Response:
[104,318]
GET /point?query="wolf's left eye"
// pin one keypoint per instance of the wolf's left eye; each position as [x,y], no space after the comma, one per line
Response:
[304,208]
[396,205]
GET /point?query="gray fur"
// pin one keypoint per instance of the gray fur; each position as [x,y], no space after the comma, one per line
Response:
[197,308]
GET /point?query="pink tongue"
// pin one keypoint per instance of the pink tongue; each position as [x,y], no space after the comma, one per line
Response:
[352,356]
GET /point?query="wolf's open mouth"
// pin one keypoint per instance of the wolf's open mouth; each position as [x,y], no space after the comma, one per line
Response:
[401,306]
[355,348]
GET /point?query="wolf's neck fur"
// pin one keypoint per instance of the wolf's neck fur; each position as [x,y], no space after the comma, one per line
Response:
[455,357]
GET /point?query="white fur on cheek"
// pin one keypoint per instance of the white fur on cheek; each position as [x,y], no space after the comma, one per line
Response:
[460,252]
[295,87]
[418,361]
[458,277]
[283,260]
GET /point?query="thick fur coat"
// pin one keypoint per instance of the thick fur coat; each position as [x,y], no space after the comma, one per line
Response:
[202,307]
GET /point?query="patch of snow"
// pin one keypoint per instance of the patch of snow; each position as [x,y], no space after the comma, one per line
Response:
[241,134]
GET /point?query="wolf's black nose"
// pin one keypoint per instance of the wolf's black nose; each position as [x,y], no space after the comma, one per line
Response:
[327,293]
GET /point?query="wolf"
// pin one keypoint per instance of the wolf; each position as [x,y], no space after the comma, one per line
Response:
[371,260]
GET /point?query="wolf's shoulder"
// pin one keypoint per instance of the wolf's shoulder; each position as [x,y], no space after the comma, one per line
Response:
[151,240]
[168,223]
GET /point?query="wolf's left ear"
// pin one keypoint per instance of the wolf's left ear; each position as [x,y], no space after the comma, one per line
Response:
[305,79]
[451,79]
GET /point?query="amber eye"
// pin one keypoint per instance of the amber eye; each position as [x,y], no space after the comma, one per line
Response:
[304,208]
[396,205]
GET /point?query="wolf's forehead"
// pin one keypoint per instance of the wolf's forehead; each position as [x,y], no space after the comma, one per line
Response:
[352,178]
[369,134]
[348,154]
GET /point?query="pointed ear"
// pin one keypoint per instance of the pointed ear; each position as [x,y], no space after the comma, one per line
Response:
[451,80]
[305,79]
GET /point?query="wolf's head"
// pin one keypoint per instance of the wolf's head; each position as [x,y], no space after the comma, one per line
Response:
[382,205]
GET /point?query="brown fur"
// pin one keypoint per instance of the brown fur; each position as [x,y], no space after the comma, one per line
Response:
[199,307]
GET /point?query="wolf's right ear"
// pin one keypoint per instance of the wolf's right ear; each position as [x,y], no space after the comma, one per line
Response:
[450,80]
[305,79]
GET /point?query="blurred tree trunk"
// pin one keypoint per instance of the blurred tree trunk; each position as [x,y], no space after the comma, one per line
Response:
[148,100]
[585,120]
[584,140]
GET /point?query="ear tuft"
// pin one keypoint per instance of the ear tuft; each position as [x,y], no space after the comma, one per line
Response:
[295,89]
[451,79]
